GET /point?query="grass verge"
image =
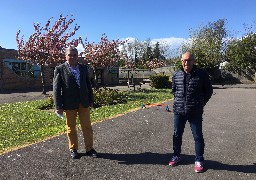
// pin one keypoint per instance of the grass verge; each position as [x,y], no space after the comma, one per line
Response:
[24,123]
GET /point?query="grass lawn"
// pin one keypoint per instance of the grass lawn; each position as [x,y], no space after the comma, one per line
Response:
[23,123]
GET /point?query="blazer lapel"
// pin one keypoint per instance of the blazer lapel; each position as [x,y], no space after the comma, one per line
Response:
[81,73]
[69,73]
[66,66]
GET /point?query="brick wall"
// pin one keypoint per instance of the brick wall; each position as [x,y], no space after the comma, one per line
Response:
[10,80]
[8,53]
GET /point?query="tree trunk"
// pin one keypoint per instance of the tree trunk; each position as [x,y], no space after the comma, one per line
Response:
[95,83]
[43,78]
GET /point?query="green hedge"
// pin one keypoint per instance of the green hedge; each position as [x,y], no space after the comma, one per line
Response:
[160,81]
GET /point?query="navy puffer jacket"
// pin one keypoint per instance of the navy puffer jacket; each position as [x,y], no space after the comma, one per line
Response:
[191,96]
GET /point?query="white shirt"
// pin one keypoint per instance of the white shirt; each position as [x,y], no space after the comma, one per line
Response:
[76,73]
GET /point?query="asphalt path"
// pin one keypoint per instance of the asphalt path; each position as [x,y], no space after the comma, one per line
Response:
[138,145]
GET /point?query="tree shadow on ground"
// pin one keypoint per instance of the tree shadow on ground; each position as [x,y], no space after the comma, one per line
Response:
[163,159]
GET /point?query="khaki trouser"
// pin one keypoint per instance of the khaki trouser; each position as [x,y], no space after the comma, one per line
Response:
[85,122]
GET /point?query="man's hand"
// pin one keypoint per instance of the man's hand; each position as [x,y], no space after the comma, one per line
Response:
[59,113]
[91,105]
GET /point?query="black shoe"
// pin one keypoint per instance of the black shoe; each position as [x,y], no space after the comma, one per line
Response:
[73,154]
[92,153]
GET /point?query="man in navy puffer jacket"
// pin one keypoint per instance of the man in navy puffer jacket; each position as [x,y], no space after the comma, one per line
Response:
[192,89]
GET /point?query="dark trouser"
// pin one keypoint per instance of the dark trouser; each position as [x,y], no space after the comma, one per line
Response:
[195,122]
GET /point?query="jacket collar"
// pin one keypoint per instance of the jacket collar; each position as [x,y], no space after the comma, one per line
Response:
[194,69]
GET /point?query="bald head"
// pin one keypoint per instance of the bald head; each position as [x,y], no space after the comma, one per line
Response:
[187,55]
[187,61]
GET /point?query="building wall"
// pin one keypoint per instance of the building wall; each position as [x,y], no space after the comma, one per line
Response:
[8,53]
[10,80]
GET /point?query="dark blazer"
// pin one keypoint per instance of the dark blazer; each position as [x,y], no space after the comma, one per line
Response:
[66,93]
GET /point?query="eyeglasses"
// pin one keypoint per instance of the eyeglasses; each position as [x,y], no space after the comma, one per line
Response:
[187,60]
[72,55]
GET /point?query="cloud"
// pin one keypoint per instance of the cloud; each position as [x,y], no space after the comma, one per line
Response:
[171,41]
[129,39]
[172,44]
[80,48]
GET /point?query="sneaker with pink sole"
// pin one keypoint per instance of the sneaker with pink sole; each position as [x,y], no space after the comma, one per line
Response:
[174,161]
[199,167]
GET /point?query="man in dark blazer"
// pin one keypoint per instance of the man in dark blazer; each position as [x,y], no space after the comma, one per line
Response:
[72,93]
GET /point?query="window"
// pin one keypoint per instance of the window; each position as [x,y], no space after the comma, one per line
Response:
[22,68]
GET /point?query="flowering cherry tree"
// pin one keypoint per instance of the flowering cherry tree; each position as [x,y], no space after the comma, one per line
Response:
[104,54]
[46,45]
[155,63]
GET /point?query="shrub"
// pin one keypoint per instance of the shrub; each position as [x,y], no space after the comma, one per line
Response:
[107,96]
[160,81]
[102,97]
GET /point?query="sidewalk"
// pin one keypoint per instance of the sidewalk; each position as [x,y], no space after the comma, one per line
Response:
[138,145]
[10,96]
[246,86]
